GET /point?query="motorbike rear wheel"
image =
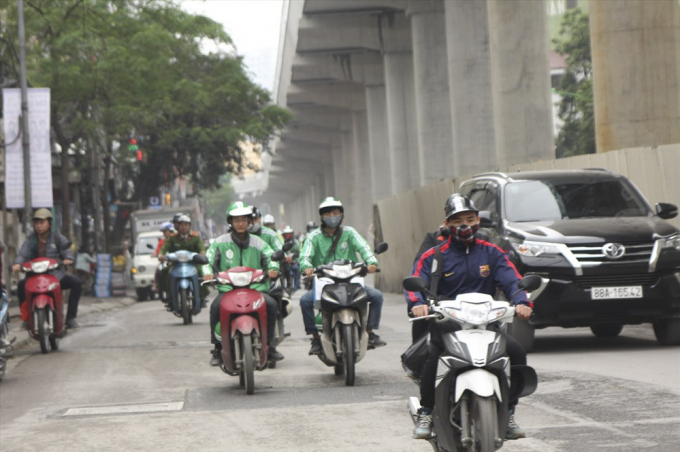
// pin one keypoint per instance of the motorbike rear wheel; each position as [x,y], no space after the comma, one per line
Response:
[43,330]
[348,354]
[248,369]
[185,309]
[483,423]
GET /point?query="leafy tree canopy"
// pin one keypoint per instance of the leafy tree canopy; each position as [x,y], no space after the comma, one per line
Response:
[576,109]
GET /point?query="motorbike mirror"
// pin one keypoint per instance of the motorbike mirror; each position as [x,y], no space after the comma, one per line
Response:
[415,284]
[200,259]
[277,256]
[530,283]
[381,248]
[287,246]
[150,246]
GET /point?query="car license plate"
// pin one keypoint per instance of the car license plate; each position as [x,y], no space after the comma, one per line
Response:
[604,293]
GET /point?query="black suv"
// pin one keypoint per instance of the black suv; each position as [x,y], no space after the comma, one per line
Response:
[606,257]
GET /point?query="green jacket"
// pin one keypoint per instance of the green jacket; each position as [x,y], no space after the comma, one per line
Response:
[318,244]
[270,237]
[224,253]
[175,243]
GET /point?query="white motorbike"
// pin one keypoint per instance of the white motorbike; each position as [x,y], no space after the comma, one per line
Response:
[475,380]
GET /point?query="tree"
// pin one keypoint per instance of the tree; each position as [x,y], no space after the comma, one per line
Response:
[576,109]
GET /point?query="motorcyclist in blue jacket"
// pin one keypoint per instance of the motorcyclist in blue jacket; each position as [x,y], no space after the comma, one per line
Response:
[469,265]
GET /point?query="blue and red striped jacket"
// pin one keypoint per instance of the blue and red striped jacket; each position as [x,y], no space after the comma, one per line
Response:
[482,267]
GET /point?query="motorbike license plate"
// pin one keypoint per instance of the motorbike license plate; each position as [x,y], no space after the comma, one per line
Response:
[604,293]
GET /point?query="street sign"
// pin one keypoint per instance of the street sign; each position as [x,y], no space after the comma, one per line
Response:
[154,201]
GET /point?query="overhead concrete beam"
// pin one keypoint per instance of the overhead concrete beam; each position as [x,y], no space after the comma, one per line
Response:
[284,164]
[324,138]
[349,96]
[341,33]
[364,67]
[317,156]
[317,7]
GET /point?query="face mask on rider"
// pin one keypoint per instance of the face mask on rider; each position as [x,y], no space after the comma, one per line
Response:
[464,234]
[332,221]
[254,228]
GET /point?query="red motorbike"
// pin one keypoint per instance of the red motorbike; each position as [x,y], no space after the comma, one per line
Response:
[44,303]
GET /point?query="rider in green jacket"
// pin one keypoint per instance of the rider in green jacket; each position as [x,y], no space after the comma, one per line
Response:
[267,234]
[317,251]
[238,248]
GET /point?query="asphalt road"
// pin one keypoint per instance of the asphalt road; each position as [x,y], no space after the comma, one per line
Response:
[134,378]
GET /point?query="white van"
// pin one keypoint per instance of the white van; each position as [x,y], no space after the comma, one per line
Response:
[144,265]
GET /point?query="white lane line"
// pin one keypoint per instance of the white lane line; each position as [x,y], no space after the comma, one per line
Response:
[125,409]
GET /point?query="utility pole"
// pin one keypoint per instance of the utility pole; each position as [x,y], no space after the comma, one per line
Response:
[28,208]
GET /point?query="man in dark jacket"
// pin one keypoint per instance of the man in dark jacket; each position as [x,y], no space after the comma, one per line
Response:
[468,265]
[45,243]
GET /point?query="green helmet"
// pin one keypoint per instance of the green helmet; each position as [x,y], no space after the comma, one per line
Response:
[330,203]
[239,209]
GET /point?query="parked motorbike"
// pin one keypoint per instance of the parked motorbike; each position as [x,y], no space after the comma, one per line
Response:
[475,380]
[185,299]
[5,341]
[242,329]
[343,305]
[44,302]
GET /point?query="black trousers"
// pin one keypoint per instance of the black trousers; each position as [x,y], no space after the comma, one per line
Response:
[272,312]
[427,380]
[67,282]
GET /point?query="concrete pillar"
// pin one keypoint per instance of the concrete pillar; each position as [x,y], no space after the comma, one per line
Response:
[329,181]
[518,32]
[363,194]
[467,43]
[431,76]
[379,143]
[402,127]
[350,174]
[636,72]
[341,191]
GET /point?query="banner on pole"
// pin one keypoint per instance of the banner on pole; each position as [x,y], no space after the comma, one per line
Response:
[40,152]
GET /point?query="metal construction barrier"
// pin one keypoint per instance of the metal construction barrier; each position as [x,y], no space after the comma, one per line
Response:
[403,219]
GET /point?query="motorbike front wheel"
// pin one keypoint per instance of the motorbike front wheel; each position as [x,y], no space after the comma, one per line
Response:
[43,330]
[348,354]
[248,370]
[483,423]
[185,308]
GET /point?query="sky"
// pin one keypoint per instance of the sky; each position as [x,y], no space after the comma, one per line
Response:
[253,26]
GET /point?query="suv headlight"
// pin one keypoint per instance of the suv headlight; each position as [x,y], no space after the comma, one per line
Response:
[670,242]
[535,249]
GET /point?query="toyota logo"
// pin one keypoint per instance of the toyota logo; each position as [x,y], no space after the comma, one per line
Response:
[614,250]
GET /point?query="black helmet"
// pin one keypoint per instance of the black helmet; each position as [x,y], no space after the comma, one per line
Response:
[256,212]
[311,226]
[458,203]
[176,217]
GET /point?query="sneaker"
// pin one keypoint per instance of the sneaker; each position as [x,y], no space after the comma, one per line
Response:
[72,323]
[316,347]
[423,428]
[216,359]
[274,355]
[375,341]
[514,431]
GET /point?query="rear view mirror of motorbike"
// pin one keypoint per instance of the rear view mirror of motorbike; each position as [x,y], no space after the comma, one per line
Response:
[381,248]
[530,283]
[150,246]
[278,255]
[200,259]
[287,246]
[415,284]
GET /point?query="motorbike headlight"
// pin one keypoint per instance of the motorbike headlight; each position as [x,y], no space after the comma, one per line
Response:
[183,256]
[40,267]
[345,271]
[535,249]
[670,242]
[240,279]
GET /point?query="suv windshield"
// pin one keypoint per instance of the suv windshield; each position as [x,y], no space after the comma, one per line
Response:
[543,201]
[143,241]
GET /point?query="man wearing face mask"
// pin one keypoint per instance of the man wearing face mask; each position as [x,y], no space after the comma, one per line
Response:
[270,236]
[329,243]
[468,265]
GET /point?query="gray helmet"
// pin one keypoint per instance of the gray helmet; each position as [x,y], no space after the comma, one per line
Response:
[175,218]
[458,203]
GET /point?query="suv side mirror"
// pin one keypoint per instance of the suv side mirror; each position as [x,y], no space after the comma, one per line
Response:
[487,219]
[666,210]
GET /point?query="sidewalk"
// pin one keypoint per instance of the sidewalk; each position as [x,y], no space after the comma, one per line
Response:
[86,306]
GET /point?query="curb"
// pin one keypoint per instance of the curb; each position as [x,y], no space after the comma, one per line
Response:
[87,306]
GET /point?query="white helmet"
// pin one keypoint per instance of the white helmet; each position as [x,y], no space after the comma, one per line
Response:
[184,219]
[329,203]
[268,219]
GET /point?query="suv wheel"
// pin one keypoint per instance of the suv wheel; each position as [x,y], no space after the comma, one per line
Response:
[523,332]
[606,329]
[667,332]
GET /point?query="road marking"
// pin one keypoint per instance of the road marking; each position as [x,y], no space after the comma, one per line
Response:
[125,409]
